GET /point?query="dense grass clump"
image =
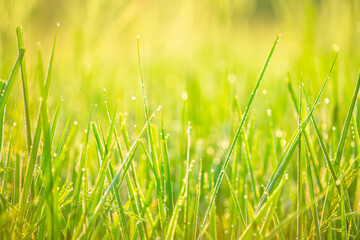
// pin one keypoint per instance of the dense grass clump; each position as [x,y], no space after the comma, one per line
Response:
[111,180]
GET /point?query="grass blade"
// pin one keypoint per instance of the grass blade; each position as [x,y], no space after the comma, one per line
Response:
[227,159]
[248,154]
[346,126]
[343,216]
[341,146]
[154,160]
[312,196]
[306,134]
[187,190]
[6,92]
[299,220]
[198,195]
[280,171]
[25,91]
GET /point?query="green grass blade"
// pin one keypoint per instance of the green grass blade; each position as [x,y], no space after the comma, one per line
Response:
[50,184]
[346,126]
[6,177]
[52,220]
[299,195]
[17,180]
[50,67]
[248,154]
[187,190]
[154,160]
[198,196]
[25,91]
[6,92]
[34,150]
[322,145]
[150,136]
[103,159]
[314,211]
[227,159]
[341,146]
[55,120]
[280,171]
[168,189]
[343,216]
[30,166]
[308,141]
[213,232]
[2,120]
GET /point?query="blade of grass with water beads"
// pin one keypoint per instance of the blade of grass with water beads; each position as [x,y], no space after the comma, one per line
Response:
[277,175]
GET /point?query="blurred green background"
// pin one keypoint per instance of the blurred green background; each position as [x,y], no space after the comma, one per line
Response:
[196,56]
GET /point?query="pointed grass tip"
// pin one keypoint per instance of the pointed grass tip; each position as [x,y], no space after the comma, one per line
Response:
[335,47]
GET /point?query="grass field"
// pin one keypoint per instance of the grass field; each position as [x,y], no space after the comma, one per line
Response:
[180,119]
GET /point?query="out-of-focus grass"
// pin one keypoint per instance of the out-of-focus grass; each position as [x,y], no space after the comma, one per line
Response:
[189,46]
[200,62]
